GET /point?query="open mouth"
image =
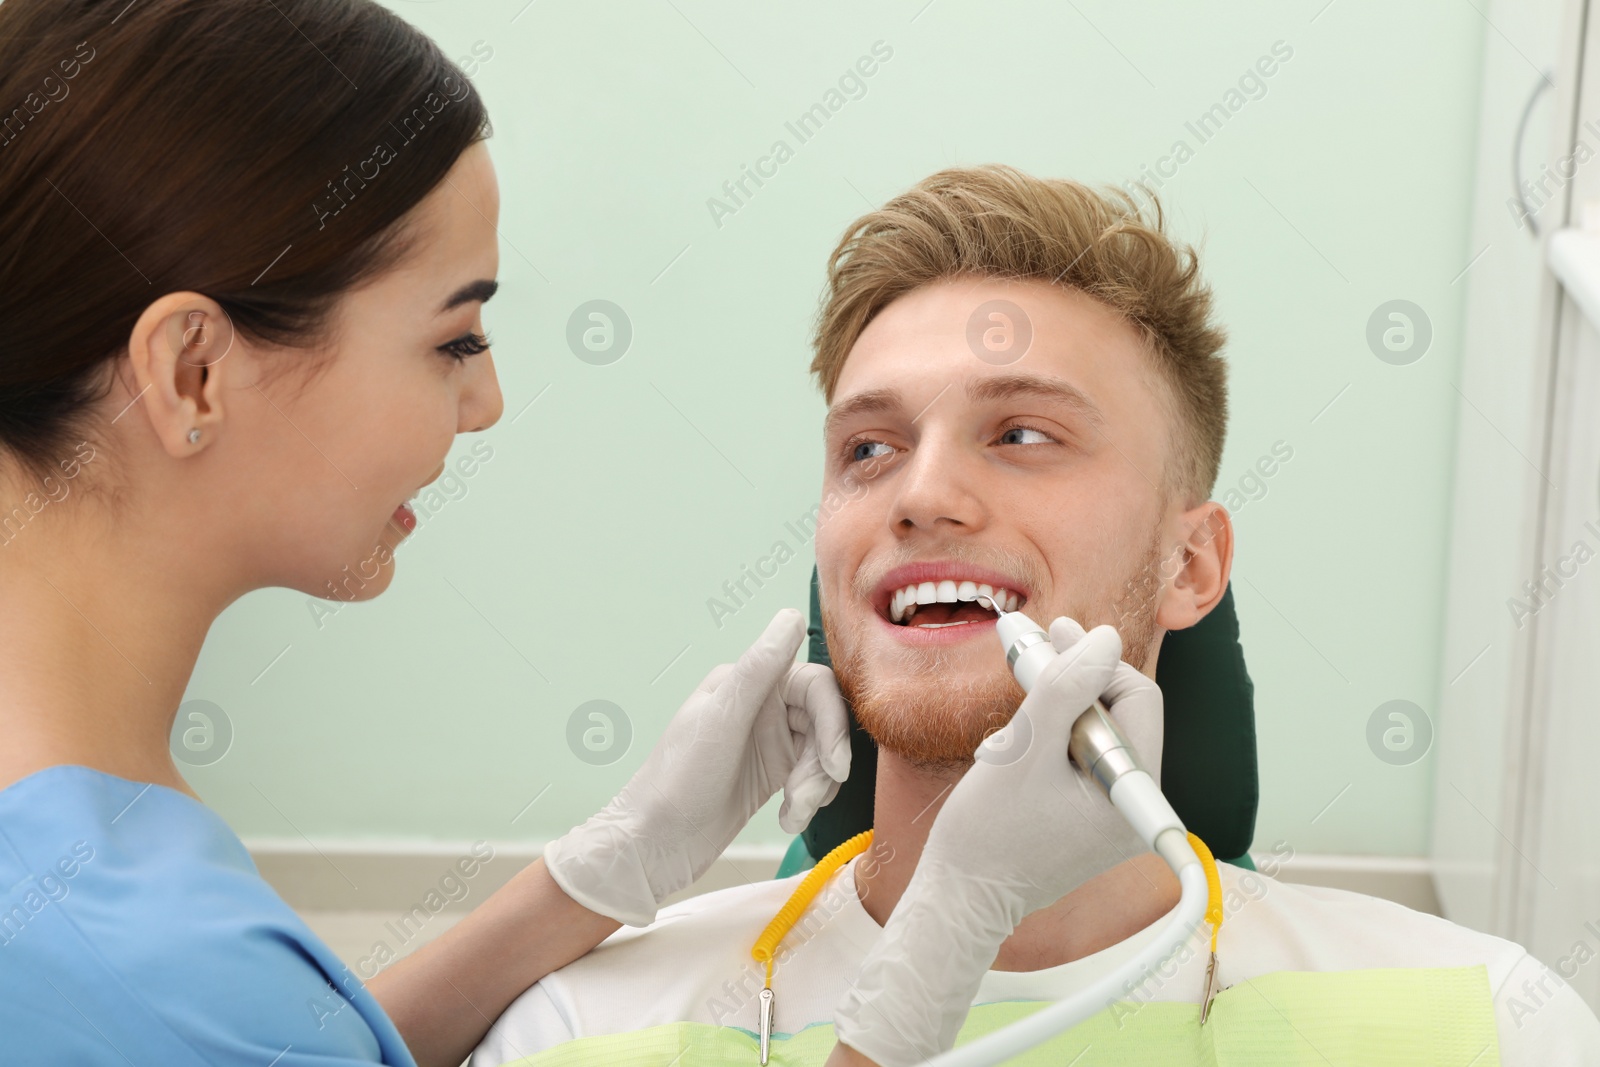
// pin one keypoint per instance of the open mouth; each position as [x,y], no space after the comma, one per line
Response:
[407,502]
[942,602]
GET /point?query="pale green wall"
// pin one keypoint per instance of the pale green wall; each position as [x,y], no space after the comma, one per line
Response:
[586,548]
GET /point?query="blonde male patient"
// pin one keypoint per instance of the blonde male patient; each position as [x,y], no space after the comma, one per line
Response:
[1056,474]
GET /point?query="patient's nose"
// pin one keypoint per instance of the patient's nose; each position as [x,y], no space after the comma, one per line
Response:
[939,488]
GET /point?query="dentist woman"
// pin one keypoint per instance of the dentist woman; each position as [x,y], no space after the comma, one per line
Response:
[244,248]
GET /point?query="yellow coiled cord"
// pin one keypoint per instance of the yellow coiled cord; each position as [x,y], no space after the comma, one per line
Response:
[766,945]
[1213,887]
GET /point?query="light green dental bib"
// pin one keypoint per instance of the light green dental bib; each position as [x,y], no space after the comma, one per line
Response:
[1395,1017]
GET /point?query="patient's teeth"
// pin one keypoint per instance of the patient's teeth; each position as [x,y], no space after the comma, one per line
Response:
[904,601]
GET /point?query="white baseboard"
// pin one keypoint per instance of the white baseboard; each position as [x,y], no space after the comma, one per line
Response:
[392,876]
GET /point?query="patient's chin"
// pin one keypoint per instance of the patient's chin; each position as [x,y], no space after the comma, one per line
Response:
[932,721]
[929,707]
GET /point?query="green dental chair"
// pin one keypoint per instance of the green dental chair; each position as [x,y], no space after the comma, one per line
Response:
[1209,705]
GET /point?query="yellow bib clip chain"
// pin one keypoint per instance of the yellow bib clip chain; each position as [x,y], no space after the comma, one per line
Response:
[766,945]
[1213,916]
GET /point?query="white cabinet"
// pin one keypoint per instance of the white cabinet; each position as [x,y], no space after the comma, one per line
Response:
[1516,822]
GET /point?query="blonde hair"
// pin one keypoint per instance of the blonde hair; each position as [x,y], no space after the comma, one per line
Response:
[995,221]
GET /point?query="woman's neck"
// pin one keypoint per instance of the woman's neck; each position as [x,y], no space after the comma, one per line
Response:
[1108,908]
[101,635]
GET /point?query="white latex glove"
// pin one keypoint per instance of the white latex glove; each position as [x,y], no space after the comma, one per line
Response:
[749,728]
[1022,829]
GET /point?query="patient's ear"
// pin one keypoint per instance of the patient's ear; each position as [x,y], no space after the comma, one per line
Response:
[1195,573]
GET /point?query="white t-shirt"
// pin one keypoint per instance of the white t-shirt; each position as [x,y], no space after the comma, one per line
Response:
[693,964]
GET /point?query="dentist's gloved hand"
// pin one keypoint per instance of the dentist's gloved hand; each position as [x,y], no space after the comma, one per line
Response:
[1022,829]
[750,728]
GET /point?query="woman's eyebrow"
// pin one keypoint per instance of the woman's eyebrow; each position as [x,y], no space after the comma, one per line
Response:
[480,290]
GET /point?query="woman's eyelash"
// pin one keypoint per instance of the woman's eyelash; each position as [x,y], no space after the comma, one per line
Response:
[466,346]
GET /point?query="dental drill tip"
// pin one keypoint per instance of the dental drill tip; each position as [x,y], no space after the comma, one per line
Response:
[993,604]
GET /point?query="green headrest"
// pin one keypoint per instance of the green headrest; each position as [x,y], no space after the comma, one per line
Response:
[1208,765]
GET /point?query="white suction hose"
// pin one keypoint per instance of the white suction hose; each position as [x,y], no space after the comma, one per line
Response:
[1100,749]
[1042,1025]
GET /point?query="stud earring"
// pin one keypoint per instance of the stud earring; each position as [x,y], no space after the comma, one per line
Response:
[194,435]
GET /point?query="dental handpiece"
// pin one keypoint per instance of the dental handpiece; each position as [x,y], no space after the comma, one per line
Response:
[1095,743]
[1098,747]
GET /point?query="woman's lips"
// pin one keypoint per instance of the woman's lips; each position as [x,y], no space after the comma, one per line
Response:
[403,516]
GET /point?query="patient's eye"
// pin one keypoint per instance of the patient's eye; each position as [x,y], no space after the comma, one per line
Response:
[865,450]
[1024,435]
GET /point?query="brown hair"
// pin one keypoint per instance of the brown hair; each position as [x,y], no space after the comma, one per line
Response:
[995,221]
[261,154]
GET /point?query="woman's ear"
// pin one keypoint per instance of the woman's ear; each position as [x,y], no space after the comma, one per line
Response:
[1196,572]
[176,353]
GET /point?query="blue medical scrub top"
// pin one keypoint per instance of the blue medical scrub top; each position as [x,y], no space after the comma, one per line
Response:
[135,929]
